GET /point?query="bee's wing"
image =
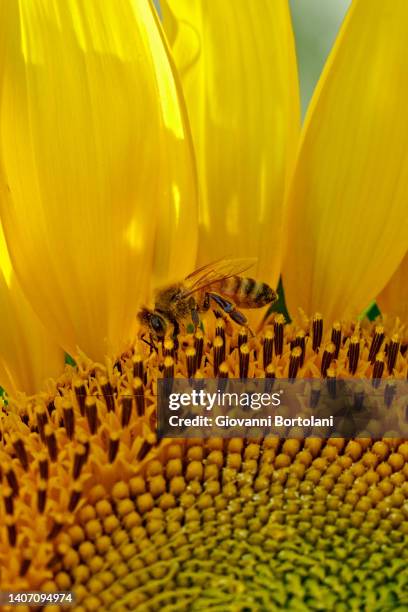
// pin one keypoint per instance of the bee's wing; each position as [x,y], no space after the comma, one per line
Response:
[215,272]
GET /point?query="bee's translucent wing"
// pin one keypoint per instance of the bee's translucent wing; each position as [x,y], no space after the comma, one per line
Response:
[215,272]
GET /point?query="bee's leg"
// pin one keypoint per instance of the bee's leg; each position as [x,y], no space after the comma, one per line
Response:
[229,308]
[176,330]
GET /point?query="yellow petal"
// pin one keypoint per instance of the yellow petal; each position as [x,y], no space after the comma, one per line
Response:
[27,354]
[177,224]
[347,227]
[238,69]
[393,299]
[93,151]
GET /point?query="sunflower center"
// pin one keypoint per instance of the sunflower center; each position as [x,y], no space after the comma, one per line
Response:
[94,503]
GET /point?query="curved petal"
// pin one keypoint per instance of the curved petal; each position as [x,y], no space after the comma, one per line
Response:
[238,69]
[348,225]
[27,354]
[94,150]
[393,299]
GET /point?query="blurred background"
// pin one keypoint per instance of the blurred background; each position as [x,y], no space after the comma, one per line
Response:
[316,23]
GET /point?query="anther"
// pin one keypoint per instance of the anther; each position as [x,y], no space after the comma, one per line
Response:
[278,327]
[50,407]
[336,338]
[168,371]
[353,354]
[21,452]
[138,391]
[243,361]
[294,362]
[317,331]
[113,447]
[54,560]
[389,394]
[199,346]
[331,382]
[315,394]
[107,391]
[191,361]
[218,353]
[144,449]
[223,372]
[79,461]
[41,496]
[137,363]
[8,501]
[91,414]
[376,342]
[270,376]
[69,419]
[12,481]
[74,498]
[267,348]
[242,337]
[220,329]
[43,468]
[300,341]
[378,369]
[42,420]
[358,397]
[80,394]
[169,349]
[25,564]
[126,405]
[392,353]
[12,533]
[56,528]
[327,357]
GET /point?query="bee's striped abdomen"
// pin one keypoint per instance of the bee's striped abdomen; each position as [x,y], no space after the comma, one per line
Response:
[246,292]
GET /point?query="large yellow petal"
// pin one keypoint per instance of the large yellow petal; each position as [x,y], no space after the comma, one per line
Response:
[94,151]
[27,354]
[393,299]
[238,69]
[348,224]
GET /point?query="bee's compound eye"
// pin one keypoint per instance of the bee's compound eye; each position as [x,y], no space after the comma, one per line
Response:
[157,324]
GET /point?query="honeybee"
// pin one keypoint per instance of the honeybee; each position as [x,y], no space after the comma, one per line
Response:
[219,284]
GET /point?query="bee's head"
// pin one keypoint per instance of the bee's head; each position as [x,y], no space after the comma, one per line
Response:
[156,323]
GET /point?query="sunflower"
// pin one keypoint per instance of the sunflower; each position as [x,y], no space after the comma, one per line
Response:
[127,142]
